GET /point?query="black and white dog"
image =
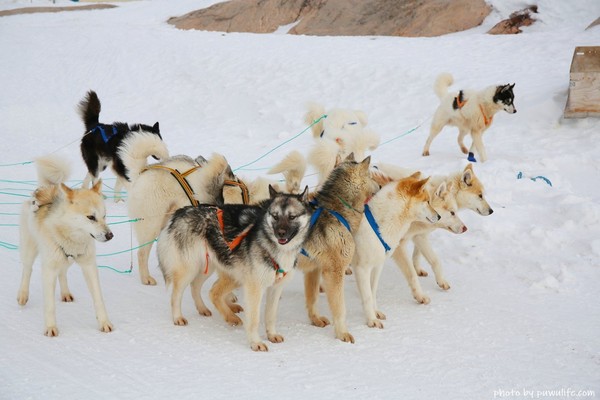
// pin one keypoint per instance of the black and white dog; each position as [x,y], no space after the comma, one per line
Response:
[471,112]
[101,142]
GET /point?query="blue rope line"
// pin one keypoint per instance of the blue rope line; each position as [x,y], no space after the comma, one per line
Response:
[281,144]
[9,246]
[535,178]
[19,163]
[403,134]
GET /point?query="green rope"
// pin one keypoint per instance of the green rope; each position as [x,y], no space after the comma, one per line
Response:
[119,271]
[15,194]
[9,224]
[124,222]
[404,134]
[19,163]
[125,251]
[9,246]
[281,144]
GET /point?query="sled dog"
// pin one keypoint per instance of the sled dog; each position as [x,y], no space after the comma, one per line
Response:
[467,191]
[60,225]
[387,218]
[471,112]
[329,247]
[340,133]
[101,143]
[253,246]
[159,189]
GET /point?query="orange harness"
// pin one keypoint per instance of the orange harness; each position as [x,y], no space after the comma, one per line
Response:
[243,188]
[180,177]
[487,121]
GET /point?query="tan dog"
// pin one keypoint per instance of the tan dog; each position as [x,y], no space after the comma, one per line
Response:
[60,225]
[330,246]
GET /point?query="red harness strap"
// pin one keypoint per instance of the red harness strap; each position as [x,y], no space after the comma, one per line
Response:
[487,121]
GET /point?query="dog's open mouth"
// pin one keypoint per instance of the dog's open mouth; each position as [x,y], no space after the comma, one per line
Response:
[283,241]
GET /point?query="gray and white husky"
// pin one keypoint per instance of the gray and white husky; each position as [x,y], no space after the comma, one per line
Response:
[254,246]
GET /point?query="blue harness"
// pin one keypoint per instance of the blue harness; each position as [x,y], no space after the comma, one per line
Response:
[103,132]
[315,216]
[375,227]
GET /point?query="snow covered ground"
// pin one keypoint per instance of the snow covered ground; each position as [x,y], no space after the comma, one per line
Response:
[522,317]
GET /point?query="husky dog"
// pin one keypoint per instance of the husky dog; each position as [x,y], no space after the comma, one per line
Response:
[60,224]
[255,246]
[101,142]
[467,191]
[330,246]
[159,189]
[342,132]
[471,112]
[292,167]
[387,218]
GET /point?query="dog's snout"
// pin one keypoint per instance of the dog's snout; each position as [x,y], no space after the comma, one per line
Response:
[109,235]
[464,229]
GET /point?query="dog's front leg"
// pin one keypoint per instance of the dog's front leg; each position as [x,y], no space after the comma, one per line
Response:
[403,262]
[422,243]
[478,145]
[253,293]
[271,307]
[49,275]
[65,293]
[90,273]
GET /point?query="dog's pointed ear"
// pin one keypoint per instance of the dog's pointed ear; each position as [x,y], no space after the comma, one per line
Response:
[416,175]
[350,157]
[98,187]
[420,185]
[200,160]
[512,86]
[467,176]
[155,127]
[304,195]
[441,190]
[272,192]
[67,191]
[366,163]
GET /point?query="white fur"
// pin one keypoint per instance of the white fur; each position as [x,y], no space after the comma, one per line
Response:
[292,167]
[155,194]
[135,150]
[62,231]
[471,119]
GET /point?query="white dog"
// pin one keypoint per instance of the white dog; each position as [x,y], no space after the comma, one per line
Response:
[157,190]
[60,224]
[342,132]
[471,112]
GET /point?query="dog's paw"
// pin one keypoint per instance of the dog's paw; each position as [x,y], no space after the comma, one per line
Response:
[375,323]
[319,321]
[235,308]
[106,327]
[422,298]
[119,199]
[259,346]
[67,297]
[443,284]
[421,272]
[233,320]
[275,338]
[348,271]
[180,321]
[51,331]
[425,153]
[380,315]
[205,312]
[22,298]
[321,289]
[346,337]
[232,298]
[464,150]
[471,157]
[148,280]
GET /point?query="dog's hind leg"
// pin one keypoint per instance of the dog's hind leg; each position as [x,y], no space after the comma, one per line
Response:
[375,275]
[219,293]
[333,276]
[363,281]
[146,230]
[422,242]
[65,293]
[271,306]
[436,128]
[253,293]
[119,185]
[90,273]
[311,291]
[29,252]
[462,132]
[403,262]
[197,292]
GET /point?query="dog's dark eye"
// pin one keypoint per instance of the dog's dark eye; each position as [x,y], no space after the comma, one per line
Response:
[91,218]
[292,217]
[452,213]
[275,217]
[480,196]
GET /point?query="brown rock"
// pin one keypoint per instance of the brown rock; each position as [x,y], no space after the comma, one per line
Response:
[515,21]
[339,17]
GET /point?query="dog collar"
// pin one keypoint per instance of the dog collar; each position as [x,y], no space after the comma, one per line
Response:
[375,227]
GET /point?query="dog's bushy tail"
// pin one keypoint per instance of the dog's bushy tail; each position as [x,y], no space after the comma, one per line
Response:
[442,83]
[137,147]
[89,109]
[293,168]
[52,170]
[315,111]
[323,157]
